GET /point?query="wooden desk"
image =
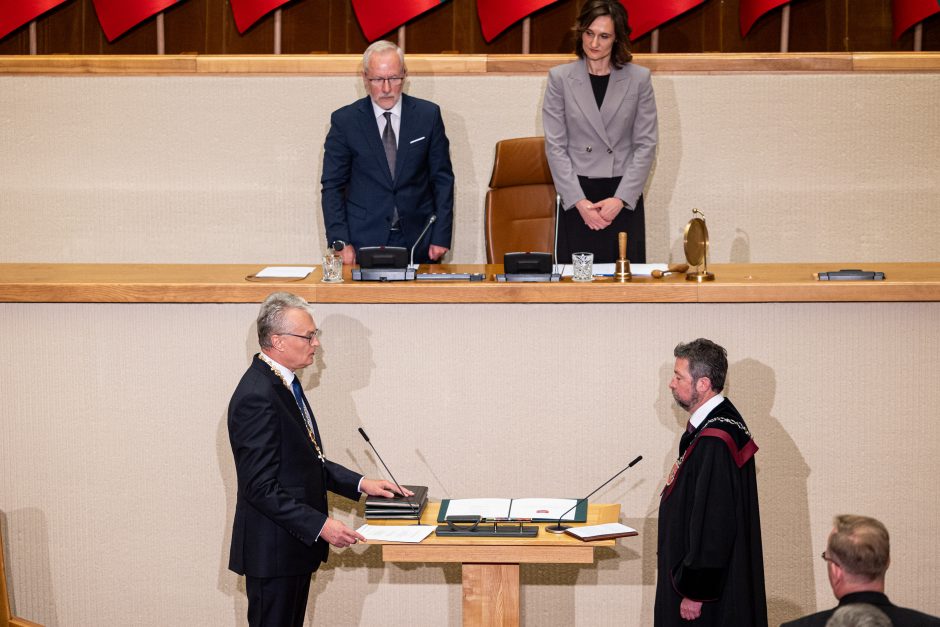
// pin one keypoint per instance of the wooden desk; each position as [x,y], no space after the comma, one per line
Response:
[735,283]
[490,566]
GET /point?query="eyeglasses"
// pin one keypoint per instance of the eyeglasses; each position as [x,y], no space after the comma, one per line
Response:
[310,338]
[393,81]
[826,558]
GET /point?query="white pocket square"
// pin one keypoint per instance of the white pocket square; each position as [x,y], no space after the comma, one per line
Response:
[415,141]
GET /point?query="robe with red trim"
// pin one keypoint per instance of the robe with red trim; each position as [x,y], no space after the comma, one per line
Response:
[709,544]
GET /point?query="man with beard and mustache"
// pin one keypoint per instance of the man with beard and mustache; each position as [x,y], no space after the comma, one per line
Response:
[710,560]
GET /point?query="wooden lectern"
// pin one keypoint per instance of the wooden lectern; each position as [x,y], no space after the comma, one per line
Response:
[490,566]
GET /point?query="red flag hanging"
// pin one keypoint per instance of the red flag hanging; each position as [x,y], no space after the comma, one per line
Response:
[907,13]
[15,14]
[247,12]
[646,15]
[377,17]
[119,16]
[750,10]
[498,15]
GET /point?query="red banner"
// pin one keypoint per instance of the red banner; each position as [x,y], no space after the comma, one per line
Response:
[750,10]
[247,12]
[498,15]
[15,14]
[907,13]
[119,16]
[378,17]
[647,15]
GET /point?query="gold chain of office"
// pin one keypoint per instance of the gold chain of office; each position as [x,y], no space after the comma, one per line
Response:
[676,466]
[303,411]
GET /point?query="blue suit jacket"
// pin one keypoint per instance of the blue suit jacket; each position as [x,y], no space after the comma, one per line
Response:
[282,484]
[359,194]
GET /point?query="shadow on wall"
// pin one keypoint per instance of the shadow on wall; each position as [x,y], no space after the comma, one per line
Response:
[782,476]
[33,570]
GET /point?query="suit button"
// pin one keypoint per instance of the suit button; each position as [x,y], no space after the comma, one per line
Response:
[609,151]
[588,149]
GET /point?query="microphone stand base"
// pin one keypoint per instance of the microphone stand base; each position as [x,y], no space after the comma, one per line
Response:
[557,528]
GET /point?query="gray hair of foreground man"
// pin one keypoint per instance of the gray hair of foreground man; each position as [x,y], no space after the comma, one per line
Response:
[382,46]
[271,316]
[706,359]
[859,615]
[861,546]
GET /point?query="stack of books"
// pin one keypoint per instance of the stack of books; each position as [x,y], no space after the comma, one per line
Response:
[400,508]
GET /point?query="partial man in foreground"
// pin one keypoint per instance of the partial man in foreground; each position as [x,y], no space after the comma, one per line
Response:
[282,529]
[857,557]
[710,558]
[386,167]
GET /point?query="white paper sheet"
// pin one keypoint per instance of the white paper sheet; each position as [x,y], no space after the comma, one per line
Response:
[543,508]
[285,272]
[487,508]
[396,533]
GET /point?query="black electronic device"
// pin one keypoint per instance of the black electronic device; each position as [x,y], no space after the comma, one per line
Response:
[476,527]
[450,276]
[528,268]
[851,275]
[383,263]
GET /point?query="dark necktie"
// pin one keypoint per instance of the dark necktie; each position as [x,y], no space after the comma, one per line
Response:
[302,406]
[391,152]
[388,140]
[686,438]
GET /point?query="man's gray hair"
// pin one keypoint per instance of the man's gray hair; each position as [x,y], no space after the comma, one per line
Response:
[706,359]
[858,615]
[383,46]
[271,316]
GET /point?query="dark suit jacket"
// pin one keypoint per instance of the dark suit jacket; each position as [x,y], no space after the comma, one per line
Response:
[900,617]
[359,194]
[282,484]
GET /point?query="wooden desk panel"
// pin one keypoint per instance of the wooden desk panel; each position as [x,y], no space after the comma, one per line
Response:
[735,283]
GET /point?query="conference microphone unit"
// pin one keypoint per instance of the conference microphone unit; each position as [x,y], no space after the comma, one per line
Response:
[560,528]
[414,508]
[431,221]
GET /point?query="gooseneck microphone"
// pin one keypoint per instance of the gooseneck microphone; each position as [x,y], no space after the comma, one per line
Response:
[414,508]
[431,221]
[560,528]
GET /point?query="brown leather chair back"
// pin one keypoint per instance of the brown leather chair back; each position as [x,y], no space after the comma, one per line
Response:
[520,204]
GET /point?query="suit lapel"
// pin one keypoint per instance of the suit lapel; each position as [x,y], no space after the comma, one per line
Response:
[584,96]
[616,90]
[370,131]
[286,397]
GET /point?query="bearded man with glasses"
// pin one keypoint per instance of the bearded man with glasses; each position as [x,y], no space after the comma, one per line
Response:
[386,166]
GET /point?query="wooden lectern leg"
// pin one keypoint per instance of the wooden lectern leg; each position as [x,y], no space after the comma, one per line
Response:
[491,595]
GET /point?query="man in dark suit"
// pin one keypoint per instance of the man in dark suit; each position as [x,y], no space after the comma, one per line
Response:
[386,166]
[857,557]
[281,531]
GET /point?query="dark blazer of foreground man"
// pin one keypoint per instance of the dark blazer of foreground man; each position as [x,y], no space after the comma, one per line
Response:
[710,556]
[857,557]
[282,528]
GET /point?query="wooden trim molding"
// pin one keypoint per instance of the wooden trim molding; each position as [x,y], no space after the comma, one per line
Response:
[455,64]
[184,283]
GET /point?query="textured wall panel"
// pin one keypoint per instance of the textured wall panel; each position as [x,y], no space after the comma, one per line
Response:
[786,167]
[117,485]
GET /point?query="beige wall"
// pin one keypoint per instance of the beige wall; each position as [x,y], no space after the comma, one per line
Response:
[116,481]
[215,169]
[117,485]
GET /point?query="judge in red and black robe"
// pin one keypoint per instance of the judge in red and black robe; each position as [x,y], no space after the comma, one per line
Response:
[710,560]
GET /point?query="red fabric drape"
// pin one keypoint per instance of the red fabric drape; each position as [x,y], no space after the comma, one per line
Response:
[15,13]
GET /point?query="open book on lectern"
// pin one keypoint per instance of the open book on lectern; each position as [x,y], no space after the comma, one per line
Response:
[533,509]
